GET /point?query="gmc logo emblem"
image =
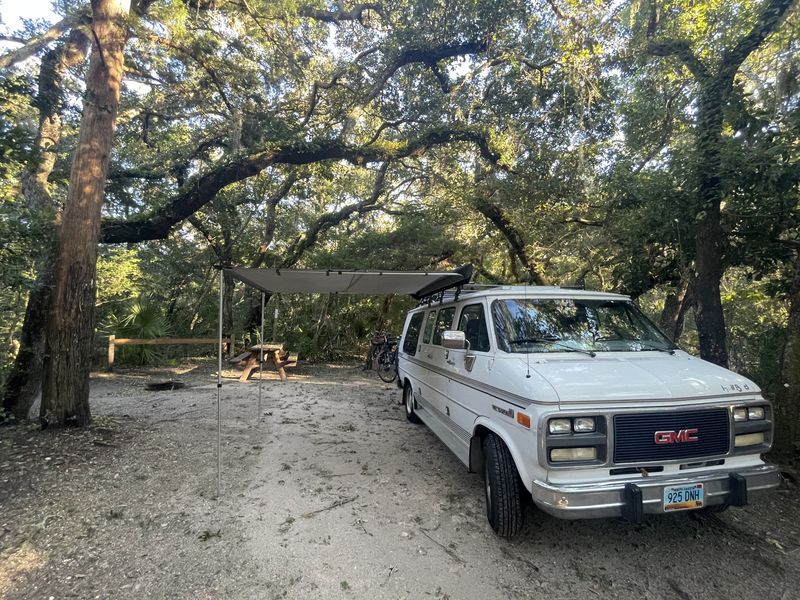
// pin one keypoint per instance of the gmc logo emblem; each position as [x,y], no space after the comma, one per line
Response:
[676,437]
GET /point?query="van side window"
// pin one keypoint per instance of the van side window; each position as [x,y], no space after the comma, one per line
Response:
[473,324]
[412,334]
[443,323]
[426,339]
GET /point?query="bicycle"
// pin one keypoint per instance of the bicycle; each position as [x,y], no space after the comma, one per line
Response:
[386,363]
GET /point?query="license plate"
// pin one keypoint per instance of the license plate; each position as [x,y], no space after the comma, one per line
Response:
[683,497]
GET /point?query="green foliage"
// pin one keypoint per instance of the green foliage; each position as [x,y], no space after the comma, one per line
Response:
[141,320]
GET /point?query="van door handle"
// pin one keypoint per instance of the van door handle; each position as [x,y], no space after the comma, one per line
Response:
[451,362]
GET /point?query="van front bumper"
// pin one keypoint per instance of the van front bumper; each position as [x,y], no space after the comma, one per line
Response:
[632,499]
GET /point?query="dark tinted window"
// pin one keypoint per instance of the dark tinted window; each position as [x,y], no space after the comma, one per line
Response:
[426,339]
[473,324]
[412,334]
[443,323]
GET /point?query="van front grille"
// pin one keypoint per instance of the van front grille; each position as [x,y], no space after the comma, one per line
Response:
[635,435]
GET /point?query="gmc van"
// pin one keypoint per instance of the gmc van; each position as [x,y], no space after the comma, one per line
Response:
[577,399]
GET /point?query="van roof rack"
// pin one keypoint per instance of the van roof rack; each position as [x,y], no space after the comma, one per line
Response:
[436,289]
[452,294]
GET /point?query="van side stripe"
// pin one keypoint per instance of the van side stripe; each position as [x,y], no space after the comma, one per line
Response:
[491,390]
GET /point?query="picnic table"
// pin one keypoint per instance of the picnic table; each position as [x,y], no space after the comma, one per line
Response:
[273,352]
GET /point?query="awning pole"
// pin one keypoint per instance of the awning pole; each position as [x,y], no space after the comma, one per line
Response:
[261,359]
[219,384]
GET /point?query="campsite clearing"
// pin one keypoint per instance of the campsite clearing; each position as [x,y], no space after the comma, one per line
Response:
[331,494]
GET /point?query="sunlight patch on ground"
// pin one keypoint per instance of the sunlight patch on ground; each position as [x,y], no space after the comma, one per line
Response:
[23,560]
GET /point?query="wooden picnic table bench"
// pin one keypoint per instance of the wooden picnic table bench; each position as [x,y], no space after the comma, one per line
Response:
[274,352]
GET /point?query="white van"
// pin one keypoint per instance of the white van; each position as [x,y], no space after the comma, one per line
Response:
[576,397]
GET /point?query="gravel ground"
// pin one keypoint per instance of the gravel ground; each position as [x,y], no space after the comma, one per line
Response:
[330,494]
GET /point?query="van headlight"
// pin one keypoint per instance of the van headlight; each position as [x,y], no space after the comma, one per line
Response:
[576,425]
[752,429]
[575,440]
[558,426]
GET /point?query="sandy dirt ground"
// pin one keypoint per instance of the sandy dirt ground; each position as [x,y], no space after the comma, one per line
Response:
[329,493]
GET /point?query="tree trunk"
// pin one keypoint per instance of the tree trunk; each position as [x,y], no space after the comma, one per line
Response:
[715,86]
[676,304]
[787,402]
[67,363]
[26,372]
[384,314]
[708,233]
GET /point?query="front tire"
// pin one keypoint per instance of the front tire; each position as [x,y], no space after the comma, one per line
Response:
[408,401]
[504,507]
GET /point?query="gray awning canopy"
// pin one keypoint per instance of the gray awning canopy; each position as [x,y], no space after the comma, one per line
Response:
[340,281]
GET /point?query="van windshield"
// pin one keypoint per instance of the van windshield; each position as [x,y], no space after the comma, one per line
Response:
[573,325]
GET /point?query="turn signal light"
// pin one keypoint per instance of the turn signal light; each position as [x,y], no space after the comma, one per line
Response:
[524,420]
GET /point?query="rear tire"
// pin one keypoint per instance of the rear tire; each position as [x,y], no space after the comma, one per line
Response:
[504,507]
[408,401]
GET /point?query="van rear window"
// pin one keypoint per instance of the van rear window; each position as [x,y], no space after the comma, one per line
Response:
[412,334]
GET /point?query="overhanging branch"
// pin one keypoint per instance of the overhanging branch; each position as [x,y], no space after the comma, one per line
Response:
[36,43]
[354,14]
[682,50]
[201,189]
[767,22]
[429,56]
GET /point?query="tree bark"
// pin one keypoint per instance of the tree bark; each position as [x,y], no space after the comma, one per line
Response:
[65,386]
[787,402]
[26,372]
[676,304]
[708,234]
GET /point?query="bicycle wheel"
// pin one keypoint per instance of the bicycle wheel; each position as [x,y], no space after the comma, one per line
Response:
[387,369]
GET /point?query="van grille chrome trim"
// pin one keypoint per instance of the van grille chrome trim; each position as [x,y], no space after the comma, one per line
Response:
[635,435]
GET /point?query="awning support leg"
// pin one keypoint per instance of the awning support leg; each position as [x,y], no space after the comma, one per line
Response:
[219,385]
[261,359]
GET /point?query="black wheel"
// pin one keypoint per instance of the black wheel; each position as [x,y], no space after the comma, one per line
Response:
[387,369]
[408,400]
[504,507]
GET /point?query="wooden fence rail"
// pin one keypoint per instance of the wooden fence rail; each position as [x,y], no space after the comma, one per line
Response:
[114,341]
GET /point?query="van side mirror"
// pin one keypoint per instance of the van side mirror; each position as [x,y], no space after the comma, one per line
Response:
[454,339]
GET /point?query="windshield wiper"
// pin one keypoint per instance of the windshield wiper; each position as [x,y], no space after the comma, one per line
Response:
[552,340]
[670,351]
[535,340]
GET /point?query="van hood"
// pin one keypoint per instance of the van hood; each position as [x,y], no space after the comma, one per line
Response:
[638,376]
